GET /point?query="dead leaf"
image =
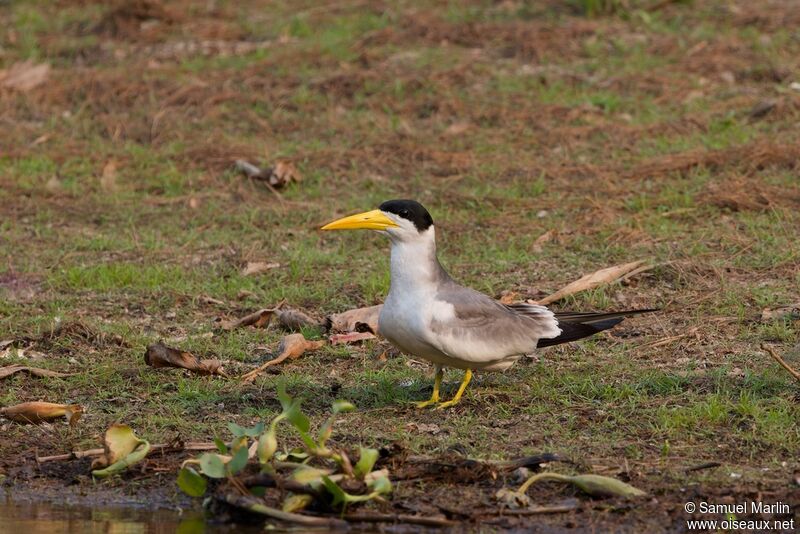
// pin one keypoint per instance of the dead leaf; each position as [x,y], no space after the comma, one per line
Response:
[290,319]
[122,448]
[457,128]
[159,355]
[352,337]
[257,267]
[278,176]
[259,319]
[428,428]
[29,354]
[508,297]
[546,237]
[283,174]
[35,371]
[53,185]
[512,499]
[591,281]
[39,412]
[24,75]
[792,311]
[292,346]
[358,320]
[108,180]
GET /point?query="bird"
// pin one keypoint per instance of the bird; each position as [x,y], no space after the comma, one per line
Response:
[429,315]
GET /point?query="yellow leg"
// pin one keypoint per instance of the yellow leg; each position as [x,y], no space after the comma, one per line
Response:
[461,388]
[436,383]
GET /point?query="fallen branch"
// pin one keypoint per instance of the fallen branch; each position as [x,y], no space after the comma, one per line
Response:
[700,467]
[191,446]
[253,505]
[33,371]
[400,518]
[778,359]
[555,509]
[292,346]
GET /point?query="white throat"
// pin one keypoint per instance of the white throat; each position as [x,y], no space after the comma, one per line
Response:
[414,266]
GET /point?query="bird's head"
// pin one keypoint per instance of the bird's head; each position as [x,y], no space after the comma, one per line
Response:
[401,220]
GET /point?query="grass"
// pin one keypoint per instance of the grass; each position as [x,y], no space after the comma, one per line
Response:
[363,102]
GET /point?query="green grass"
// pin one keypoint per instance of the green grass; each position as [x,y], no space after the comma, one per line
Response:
[362,101]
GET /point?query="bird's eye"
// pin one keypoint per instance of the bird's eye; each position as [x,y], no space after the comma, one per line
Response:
[404,213]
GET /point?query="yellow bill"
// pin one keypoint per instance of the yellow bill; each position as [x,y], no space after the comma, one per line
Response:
[369,220]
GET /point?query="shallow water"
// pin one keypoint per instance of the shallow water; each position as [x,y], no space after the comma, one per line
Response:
[50,518]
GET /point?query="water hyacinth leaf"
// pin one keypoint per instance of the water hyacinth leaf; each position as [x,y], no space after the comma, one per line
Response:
[213,465]
[238,443]
[594,485]
[366,460]
[341,406]
[122,449]
[309,475]
[296,502]
[338,494]
[236,430]
[191,482]
[238,461]
[267,445]
[239,431]
[291,410]
[381,486]
[600,486]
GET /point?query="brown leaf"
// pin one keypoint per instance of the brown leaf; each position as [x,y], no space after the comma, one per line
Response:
[283,174]
[538,245]
[508,297]
[259,319]
[457,128]
[358,320]
[35,371]
[352,337]
[278,176]
[292,346]
[159,355]
[591,281]
[257,267]
[290,319]
[790,311]
[108,180]
[24,75]
[39,412]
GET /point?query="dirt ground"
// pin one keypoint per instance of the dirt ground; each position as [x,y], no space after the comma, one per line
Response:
[546,143]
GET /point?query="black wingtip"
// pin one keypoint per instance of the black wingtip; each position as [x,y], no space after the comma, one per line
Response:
[577,325]
[576,331]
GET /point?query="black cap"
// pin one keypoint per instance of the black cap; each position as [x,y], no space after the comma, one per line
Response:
[411,210]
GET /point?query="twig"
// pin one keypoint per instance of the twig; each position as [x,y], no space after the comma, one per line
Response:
[254,506]
[400,518]
[247,377]
[700,467]
[191,446]
[556,509]
[268,481]
[778,359]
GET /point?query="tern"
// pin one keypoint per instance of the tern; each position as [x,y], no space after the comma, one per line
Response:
[429,315]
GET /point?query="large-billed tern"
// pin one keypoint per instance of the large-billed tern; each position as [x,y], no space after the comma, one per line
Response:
[427,314]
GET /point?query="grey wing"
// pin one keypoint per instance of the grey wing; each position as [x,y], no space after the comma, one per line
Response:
[475,327]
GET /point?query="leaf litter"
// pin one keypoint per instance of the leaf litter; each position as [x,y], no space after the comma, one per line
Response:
[159,355]
[33,371]
[39,412]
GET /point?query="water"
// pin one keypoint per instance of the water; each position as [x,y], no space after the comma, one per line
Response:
[52,518]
